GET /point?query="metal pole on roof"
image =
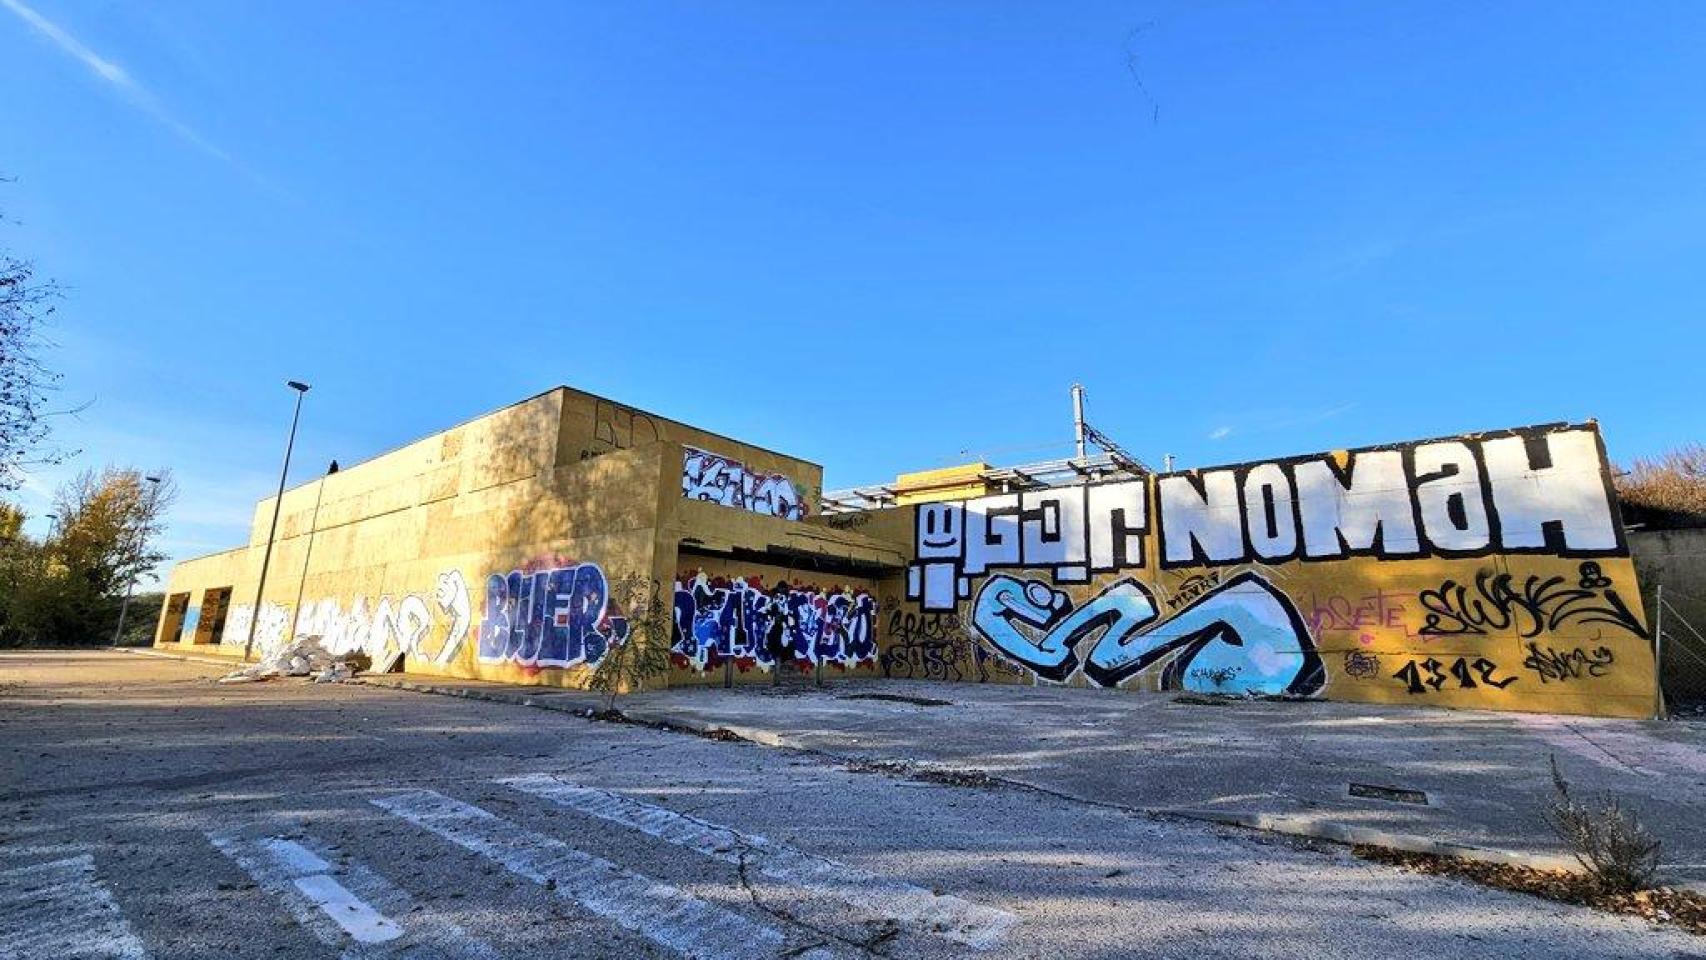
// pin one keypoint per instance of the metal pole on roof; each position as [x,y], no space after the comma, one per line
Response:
[266,557]
[1078,417]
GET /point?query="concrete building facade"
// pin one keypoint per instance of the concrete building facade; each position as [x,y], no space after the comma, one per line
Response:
[1489,570]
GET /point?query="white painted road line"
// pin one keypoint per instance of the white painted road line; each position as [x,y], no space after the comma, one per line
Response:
[664,914]
[976,926]
[341,903]
[347,910]
[60,910]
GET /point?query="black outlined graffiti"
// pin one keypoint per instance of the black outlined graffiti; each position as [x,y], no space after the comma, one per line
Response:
[723,480]
[1560,666]
[935,646]
[1071,531]
[1245,636]
[1495,604]
[927,646]
[1420,676]
[616,427]
[1535,490]
[1192,588]
[847,521]
[1361,665]
[1543,489]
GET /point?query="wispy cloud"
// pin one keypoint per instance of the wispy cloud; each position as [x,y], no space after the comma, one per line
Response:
[1314,416]
[1255,422]
[105,69]
[118,79]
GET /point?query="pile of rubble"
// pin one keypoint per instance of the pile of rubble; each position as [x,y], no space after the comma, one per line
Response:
[304,658]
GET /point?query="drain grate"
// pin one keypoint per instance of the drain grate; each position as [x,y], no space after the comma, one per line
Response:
[1372,791]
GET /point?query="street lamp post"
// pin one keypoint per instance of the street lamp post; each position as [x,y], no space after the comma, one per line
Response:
[266,557]
[136,548]
[308,554]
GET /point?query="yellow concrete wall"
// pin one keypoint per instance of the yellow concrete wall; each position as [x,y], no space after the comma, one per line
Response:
[1487,571]
[511,547]
[593,426]
[186,589]
[961,482]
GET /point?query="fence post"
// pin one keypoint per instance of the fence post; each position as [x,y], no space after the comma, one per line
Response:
[1659,651]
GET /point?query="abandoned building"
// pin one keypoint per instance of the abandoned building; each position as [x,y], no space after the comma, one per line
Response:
[1488,570]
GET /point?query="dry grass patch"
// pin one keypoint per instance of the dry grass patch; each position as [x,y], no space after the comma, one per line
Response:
[1680,908]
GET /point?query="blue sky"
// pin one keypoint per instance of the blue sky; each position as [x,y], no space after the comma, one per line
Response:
[882,237]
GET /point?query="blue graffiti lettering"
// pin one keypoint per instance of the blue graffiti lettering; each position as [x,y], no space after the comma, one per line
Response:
[556,617]
[717,619]
[1244,636]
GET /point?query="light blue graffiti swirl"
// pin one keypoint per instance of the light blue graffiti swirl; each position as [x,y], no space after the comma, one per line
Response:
[1244,637]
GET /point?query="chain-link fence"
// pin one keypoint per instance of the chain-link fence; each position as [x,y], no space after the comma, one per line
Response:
[1679,623]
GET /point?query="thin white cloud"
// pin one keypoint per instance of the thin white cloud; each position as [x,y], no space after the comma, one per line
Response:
[1220,433]
[115,76]
[103,68]
[1315,416]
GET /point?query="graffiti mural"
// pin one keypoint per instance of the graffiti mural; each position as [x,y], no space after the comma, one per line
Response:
[270,630]
[402,625]
[1420,677]
[718,479]
[549,614]
[1534,491]
[740,619]
[1552,665]
[937,646]
[453,602]
[1361,666]
[616,427]
[1494,604]
[1244,636]
[1072,531]
[1426,570]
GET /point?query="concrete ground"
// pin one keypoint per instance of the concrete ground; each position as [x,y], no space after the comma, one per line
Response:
[1288,767]
[1280,765]
[147,812]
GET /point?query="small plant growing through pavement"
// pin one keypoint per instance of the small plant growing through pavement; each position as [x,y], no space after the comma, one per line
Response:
[642,654]
[1609,841]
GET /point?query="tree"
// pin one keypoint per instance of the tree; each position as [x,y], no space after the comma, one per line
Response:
[106,521]
[25,305]
[643,653]
[11,523]
[1669,491]
[24,582]
[65,589]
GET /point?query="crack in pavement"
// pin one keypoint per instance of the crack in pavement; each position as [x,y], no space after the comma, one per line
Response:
[866,947]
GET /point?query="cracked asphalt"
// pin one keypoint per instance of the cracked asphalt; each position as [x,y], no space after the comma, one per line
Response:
[147,812]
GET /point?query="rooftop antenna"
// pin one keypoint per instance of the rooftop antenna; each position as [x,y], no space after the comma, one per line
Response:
[1078,418]
[1084,433]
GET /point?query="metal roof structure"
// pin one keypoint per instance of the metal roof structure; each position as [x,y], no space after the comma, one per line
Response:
[1027,476]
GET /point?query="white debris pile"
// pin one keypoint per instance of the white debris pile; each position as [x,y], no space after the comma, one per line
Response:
[304,658]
